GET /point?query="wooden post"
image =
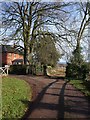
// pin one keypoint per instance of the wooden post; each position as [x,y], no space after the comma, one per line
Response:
[7,68]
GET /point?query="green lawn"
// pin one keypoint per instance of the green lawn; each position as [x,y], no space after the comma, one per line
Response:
[83,86]
[14,91]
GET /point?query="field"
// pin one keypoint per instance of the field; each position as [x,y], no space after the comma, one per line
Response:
[14,91]
[56,72]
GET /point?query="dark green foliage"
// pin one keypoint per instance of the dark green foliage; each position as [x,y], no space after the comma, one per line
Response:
[88,73]
[36,69]
[21,69]
[77,58]
[85,68]
[77,72]
[18,69]
[45,50]
[71,70]
[32,69]
[77,68]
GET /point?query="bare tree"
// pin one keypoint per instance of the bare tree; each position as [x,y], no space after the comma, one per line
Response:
[22,20]
[84,23]
[73,31]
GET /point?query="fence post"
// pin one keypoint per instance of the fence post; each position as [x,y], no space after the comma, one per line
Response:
[7,68]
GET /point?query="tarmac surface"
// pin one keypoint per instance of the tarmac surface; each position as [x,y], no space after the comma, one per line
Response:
[55,98]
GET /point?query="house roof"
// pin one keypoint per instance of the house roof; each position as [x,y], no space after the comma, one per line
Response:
[9,49]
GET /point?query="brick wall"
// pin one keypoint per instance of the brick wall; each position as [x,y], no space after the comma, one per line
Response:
[7,58]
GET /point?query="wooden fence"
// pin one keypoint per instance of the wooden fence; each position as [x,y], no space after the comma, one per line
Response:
[4,70]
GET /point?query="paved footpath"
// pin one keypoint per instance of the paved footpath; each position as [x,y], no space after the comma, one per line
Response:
[56,98]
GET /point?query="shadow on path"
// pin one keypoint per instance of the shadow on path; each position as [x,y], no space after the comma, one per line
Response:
[58,97]
[34,105]
[61,101]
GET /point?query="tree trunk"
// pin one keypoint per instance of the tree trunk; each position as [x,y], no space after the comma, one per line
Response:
[44,70]
[25,53]
[28,60]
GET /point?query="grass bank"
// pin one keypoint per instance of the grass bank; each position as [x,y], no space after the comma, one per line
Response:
[83,86]
[14,91]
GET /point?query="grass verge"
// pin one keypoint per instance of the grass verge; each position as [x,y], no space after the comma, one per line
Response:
[83,86]
[14,91]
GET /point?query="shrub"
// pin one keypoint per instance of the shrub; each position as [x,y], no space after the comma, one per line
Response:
[76,71]
[21,69]
[77,68]
[17,69]
[85,70]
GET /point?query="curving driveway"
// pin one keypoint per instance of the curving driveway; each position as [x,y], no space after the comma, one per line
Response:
[55,98]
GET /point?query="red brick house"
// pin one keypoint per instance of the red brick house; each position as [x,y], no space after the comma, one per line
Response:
[8,54]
